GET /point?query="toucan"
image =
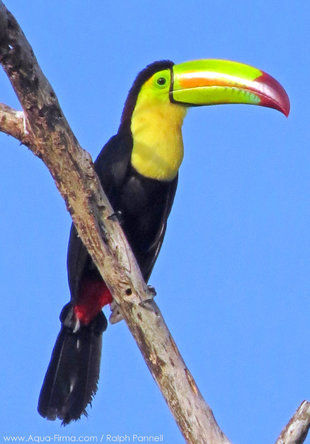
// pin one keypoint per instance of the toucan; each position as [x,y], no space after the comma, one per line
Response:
[138,169]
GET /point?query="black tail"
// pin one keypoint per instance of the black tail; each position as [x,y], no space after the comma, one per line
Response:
[73,372]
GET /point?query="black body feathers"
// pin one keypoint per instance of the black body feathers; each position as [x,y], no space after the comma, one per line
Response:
[144,205]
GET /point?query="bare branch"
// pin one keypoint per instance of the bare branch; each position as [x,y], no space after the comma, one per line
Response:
[13,123]
[71,167]
[295,432]
[51,139]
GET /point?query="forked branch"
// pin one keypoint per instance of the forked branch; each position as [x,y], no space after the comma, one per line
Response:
[42,126]
[13,123]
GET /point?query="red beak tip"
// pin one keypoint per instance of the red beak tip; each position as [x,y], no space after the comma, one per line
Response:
[286,111]
[273,94]
[284,106]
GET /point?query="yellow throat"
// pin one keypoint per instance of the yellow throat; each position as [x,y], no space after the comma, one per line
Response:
[157,138]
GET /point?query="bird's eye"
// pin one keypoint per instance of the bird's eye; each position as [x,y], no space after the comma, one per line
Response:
[161,81]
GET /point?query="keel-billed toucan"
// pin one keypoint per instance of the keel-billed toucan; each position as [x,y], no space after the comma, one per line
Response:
[138,169]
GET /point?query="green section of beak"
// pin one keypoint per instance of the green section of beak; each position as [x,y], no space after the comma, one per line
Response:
[212,82]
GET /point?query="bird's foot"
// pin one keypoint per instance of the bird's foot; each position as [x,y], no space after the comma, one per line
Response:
[151,293]
[118,215]
[116,315]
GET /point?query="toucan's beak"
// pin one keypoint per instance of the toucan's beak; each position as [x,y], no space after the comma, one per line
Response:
[212,82]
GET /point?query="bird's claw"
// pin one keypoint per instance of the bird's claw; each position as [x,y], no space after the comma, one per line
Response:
[117,215]
[151,293]
[116,315]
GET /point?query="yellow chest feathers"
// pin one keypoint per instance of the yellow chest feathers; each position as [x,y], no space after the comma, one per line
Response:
[157,140]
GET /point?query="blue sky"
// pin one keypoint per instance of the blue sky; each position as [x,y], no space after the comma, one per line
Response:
[232,279]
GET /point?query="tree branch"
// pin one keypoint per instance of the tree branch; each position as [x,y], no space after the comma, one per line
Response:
[295,432]
[44,129]
[13,123]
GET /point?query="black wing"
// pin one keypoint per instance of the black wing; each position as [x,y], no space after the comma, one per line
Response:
[144,205]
